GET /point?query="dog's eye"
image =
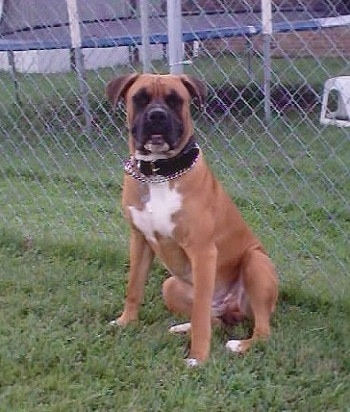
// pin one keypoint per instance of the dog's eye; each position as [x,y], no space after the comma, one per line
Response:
[141,99]
[173,100]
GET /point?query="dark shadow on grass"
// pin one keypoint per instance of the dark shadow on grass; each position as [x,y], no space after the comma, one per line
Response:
[298,296]
[110,255]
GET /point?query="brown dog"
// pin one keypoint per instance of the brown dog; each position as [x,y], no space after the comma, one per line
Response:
[180,213]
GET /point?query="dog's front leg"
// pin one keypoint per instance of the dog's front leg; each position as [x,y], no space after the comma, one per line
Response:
[203,261]
[141,257]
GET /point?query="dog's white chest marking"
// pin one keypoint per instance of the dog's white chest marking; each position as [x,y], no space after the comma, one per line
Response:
[157,214]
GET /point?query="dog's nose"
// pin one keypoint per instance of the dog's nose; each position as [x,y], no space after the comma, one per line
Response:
[157,115]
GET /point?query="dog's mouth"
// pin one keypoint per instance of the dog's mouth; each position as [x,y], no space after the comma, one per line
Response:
[156,144]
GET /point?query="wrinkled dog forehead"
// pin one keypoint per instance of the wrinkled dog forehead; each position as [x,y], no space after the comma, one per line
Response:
[158,87]
[126,86]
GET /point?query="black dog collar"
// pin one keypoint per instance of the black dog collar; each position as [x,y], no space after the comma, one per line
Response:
[162,170]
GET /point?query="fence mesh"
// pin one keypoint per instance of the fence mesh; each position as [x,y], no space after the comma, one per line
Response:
[61,171]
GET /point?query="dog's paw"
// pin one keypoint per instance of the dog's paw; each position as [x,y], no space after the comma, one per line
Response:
[235,346]
[181,328]
[192,362]
[123,320]
[114,323]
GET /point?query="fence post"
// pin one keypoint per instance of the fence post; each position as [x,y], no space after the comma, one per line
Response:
[267,35]
[13,71]
[75,36]
[146,50]
[174,15]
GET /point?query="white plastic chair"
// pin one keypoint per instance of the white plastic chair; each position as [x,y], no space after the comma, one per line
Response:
[339,89]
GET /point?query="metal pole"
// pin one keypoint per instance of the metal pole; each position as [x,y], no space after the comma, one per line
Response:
[13,72]
[146,49]
[75,36]
[175,36]
[267,36]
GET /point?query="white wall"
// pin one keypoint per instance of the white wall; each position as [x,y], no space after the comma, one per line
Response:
[54,61]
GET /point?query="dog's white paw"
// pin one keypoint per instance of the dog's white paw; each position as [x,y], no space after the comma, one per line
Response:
[191,362]
[181,328]
[119,322]
[234,346]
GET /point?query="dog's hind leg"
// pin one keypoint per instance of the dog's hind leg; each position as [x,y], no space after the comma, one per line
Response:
[178,298]
[260,286]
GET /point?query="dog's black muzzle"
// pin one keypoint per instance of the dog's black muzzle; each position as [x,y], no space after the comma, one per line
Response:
[157,129]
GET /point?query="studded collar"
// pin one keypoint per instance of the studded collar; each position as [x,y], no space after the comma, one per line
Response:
[163,170]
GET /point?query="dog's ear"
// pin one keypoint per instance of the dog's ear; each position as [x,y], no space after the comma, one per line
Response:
[195,87]
[116,89]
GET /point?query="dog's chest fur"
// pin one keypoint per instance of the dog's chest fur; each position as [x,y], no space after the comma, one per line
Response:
[158,209]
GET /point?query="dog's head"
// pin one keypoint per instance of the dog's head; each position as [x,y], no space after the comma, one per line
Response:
[158,110]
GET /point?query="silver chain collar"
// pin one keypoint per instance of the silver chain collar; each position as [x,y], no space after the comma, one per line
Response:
[131,168]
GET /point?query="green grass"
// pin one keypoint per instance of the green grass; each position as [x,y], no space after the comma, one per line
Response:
[64,261]
[58,353]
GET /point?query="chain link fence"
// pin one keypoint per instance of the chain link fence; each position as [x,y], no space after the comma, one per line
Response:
[62,146]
